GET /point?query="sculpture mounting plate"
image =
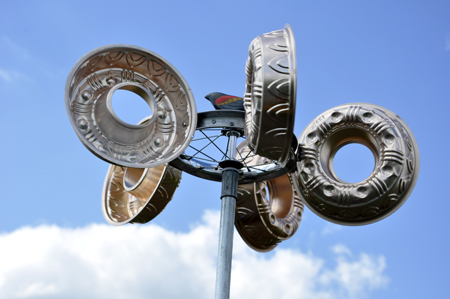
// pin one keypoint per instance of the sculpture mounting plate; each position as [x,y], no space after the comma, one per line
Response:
[203,156]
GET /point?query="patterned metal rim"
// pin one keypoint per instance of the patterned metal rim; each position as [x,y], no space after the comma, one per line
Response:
[267,212]
[270,96]
[88,86]
[397,164]
[136,195]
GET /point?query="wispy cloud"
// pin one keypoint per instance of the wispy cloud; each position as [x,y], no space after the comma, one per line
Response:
[10,76]
[17,56]
[340,250]
[100,261]
[18,51]
[447,43]
[330,228]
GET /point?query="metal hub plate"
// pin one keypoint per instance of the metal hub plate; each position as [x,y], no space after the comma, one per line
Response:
[207,150]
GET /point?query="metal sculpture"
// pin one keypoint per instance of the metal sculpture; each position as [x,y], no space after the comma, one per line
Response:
[267,212]
[384,191]
[89,89]
[137,195]
[267,178]
[270,94]
[213,126]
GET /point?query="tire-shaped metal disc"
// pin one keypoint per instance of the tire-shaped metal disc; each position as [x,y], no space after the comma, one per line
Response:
[384,191]
[89,89]
[267,212]
[270,94]
[137,195]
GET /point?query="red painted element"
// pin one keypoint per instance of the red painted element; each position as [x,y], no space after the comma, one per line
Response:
[226,98]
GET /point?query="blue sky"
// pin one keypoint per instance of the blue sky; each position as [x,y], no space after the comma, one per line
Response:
[395,54]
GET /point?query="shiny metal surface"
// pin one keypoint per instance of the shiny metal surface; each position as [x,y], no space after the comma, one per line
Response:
[267,212]
[270,95]
[89,89]
[228,196]
[137,195]
[207,167]
[384,191]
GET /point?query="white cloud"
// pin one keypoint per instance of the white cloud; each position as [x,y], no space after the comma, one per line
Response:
[148,261]
[357,277]
[341,250]
[331,228]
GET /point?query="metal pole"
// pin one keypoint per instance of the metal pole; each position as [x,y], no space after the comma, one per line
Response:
[230,177]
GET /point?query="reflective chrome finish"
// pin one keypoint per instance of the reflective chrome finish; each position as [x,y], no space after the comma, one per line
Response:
[137,195]
[271,88]
[228,196]
[224,121]
[89,89]
[384,191]
[267,212]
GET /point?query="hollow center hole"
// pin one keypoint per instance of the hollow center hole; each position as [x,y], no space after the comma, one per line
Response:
[278,192]
[130,107]
[353,163]
[132,177]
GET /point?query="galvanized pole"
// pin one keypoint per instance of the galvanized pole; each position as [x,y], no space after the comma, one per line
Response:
[230,176]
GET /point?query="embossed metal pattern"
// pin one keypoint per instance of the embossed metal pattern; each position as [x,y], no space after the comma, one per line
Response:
[267,212]
[137,195]
[271,88]
[89,89]
[384,191]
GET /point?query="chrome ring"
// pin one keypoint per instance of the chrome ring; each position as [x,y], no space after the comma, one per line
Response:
[137,195]
[89,89]
[267,212]
[269,100]
[384,191]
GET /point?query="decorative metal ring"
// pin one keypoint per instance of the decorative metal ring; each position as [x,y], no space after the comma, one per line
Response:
[271,89]
[90,86]
[267,212]
[137,195]
[384,191]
